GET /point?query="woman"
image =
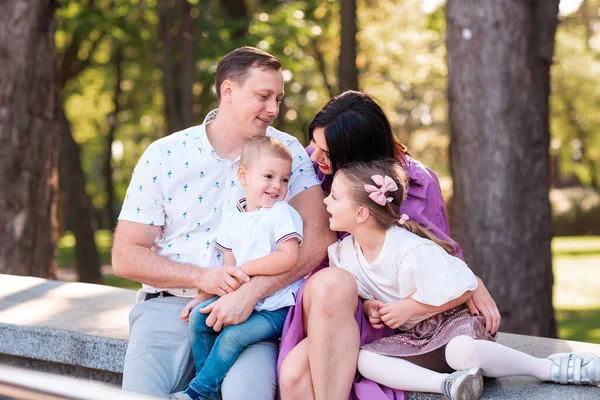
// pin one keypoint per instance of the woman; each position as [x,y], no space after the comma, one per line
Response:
[325,329]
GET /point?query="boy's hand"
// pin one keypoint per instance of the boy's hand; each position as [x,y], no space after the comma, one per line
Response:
[222,280]
[371,310]
[396,313]
[201,298]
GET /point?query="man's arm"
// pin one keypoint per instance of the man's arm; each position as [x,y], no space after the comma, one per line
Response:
[278,262]
[133,258]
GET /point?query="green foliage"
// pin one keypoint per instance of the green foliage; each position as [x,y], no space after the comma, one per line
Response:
[576,97]
[575,211]
[401,59]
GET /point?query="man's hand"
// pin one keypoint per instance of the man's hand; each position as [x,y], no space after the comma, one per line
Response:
[222,280]
[396,313]
[371,310]
[482,303]
[231,309]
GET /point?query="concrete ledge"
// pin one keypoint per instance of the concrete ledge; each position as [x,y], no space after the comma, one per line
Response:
[72,329]
[81,330]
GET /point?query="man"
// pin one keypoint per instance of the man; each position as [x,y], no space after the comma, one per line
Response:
[181,185]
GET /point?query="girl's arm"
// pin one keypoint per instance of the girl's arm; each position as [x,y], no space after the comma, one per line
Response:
[281,260]
[421,308]
[396,313]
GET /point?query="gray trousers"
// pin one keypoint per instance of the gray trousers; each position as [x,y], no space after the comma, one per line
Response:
[159,358]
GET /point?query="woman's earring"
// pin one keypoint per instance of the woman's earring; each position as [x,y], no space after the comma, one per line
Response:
[356,220]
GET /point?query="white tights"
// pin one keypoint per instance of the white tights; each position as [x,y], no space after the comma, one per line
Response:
[461,353]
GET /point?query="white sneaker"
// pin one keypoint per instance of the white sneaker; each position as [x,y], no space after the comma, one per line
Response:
[179,396]
[463,385]
[575,368]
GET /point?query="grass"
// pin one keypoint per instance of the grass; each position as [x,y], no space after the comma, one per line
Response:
[66,247]
[66,256]
[576,286]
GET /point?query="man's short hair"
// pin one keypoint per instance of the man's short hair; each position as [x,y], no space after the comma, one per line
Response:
[263,146]
[236,64]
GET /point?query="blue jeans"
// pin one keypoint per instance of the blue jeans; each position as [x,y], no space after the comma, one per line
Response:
[215,352]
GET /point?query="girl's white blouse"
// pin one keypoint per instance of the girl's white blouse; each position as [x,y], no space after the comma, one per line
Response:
[407,266]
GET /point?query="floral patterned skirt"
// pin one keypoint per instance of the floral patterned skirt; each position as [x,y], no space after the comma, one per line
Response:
[432,333]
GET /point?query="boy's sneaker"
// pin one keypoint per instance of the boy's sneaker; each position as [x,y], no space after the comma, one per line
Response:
[463,385]
[575,368]
[179,396]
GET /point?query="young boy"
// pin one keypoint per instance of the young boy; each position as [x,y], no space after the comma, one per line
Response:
[261,237]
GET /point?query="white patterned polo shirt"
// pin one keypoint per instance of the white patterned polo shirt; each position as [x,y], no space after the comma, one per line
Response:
[181,184]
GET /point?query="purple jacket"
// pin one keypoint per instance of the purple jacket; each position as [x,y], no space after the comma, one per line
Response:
[425,205]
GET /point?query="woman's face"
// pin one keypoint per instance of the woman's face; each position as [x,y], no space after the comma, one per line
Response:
[321,152]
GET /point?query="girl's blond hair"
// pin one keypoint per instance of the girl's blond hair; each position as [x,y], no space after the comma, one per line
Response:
[358,174]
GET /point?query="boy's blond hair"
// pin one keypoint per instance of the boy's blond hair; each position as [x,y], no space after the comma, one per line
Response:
[263,146]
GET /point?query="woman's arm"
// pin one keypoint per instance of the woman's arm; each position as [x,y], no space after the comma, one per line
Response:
[483,303]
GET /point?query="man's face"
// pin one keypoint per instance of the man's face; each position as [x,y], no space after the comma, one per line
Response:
[265,181]
[255,104]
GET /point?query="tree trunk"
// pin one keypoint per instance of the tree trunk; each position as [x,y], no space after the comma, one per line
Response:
[29,134]
[109,212]
[186,64]
[347,71]
[237,11]
[169,84]
[79,206]
[499,57]
[178,64]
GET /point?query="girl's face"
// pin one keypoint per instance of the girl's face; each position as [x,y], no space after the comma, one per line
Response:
[321,152]
[339,205]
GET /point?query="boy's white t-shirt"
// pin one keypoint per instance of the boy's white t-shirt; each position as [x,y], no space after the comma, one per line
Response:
[181,184]
[252,235]
[407,266]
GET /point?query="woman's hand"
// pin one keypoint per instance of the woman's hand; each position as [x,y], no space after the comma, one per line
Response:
[396,313]
[371,310]
[482,303]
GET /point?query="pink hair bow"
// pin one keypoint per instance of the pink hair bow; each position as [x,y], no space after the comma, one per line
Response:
[403,219]
[377,194]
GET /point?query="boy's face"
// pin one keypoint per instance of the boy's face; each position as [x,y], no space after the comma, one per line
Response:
[265,180]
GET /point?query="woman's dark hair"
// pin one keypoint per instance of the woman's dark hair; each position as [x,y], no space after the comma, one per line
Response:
[356,129]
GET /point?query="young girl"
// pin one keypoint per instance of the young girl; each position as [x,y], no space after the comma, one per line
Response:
[406,276]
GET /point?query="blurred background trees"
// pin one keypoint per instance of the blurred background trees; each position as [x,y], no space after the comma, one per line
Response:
[131,71]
